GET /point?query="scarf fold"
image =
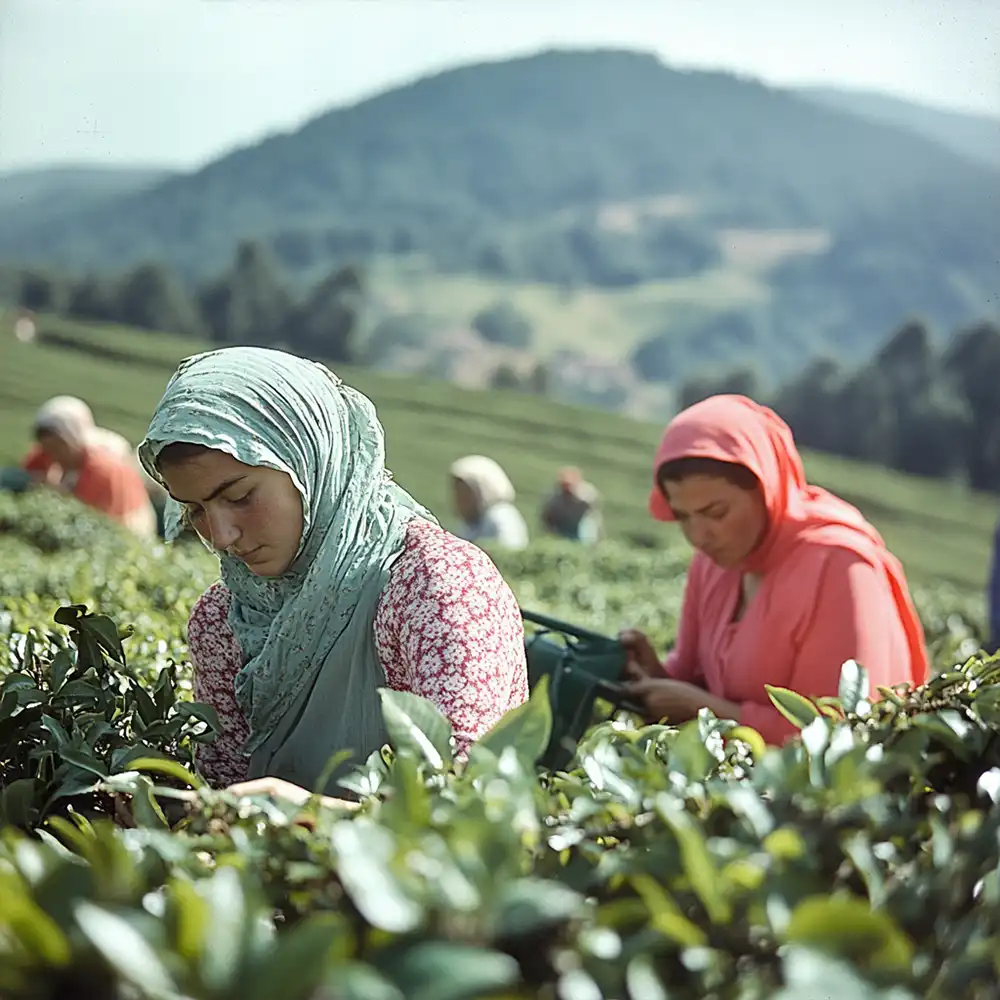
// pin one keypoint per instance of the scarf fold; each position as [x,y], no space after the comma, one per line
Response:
[309,686]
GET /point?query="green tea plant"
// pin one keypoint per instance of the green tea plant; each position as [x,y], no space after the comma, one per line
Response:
[72,713]
[860,860]
[666,863]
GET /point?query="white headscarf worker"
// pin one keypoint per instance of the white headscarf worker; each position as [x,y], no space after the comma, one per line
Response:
[484,500]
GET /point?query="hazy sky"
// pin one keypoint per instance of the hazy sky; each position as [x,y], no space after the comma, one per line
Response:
[178,82]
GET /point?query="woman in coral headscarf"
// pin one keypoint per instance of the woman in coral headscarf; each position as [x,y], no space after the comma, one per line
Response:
[73,455]
[787,581]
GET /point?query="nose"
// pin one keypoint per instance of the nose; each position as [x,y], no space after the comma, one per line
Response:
[222,529]
[701,536]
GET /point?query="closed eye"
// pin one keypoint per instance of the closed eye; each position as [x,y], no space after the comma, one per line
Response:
[243,500]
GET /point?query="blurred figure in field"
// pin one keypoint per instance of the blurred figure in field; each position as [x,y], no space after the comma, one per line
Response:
[93,463]
[484,500]
[44,465]
[571,510]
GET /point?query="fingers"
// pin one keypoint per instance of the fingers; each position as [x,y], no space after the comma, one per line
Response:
[640,686]
[633,670]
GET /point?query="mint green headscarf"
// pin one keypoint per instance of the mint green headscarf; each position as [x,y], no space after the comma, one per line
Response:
[310,684]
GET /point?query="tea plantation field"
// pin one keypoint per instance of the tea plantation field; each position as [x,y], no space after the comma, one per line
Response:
[863,861]
[941,532]
[690,863]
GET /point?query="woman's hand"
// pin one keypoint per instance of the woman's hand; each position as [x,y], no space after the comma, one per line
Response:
[642,659]
[678,701]
[664,698]
[277,788]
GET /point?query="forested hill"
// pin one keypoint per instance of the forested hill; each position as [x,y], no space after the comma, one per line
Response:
[472,151]
[597,169]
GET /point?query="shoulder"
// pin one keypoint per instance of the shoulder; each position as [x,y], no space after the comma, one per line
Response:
[435,560]
[211,610]
[36,460]
[442,579]
[507,525]
[504,513]
[102,465]
[821,573]
[445,595]
[824,559]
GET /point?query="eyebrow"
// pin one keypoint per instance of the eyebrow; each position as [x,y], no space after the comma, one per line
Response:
[221,488]
[700,510]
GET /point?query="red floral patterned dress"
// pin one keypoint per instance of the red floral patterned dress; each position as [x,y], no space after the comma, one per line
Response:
[447,627]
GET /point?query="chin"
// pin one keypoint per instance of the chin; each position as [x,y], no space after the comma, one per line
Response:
[265,570]
[723,562]
[269,568]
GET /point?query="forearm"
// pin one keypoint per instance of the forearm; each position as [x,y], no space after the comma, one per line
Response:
[721,708]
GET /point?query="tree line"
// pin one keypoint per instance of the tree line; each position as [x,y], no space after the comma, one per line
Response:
[252,302]
[916,406]
[249,303]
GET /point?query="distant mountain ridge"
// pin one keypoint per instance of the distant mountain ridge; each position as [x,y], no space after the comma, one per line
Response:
[513,169]
[495,143]
[974,136]
[33,196]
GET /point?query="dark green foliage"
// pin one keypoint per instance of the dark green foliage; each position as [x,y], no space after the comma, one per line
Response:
[501,323]
[667,862]
[94,297]
[72,713]
[324,324]
[42,291]
[249,304]
[861,861]
[912,407]
[505,377]
[151,298]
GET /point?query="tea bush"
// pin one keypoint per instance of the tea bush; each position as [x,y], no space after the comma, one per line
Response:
[861,861]
[53,551]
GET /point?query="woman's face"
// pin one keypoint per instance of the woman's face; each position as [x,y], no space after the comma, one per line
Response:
[466,502]
[719,518]
[251,512]
[59,450]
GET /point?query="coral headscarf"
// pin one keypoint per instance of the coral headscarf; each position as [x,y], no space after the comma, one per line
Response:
[731,428]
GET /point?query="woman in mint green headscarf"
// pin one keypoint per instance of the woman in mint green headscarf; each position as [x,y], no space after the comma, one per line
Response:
[335,581]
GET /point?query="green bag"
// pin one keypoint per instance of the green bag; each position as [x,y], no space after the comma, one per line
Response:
[14,480]
[581,666]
